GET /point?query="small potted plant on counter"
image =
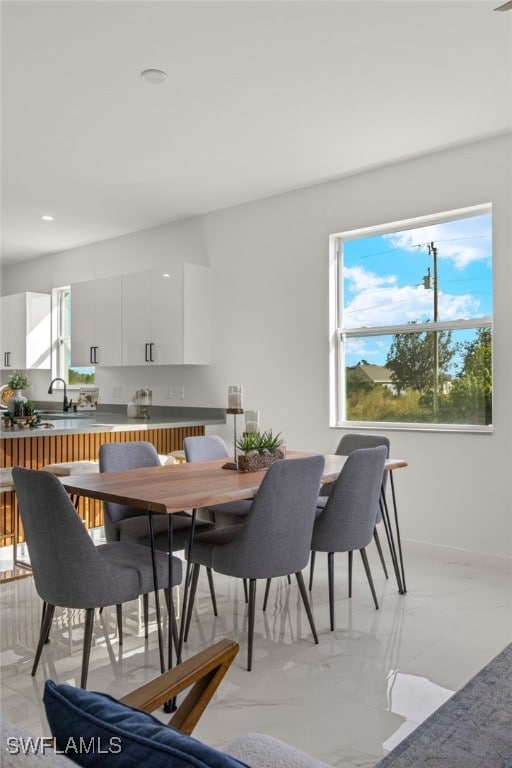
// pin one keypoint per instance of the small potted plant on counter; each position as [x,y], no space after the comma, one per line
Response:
[17,382]
[259,450]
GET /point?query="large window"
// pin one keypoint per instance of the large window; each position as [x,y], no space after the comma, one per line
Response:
[73,376]
[411,322]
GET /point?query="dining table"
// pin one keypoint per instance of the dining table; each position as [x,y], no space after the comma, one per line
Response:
[173,488]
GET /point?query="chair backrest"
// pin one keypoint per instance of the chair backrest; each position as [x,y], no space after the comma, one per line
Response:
[350,513]
[117,457]
[205,448]
[275,538]
[67,569]
[354,440]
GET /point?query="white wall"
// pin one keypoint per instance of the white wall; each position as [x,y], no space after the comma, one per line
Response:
[270,325]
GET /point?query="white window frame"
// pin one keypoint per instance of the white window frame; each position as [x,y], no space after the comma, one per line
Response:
[59,339]
[338,334]
[59,367]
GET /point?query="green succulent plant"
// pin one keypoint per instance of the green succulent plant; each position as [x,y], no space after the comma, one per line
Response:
[259,441]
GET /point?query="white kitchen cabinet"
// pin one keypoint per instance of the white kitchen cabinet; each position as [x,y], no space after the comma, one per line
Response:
[96,322]
[167,316]
[26,331]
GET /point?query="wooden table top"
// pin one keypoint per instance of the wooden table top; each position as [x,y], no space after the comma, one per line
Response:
[175,487]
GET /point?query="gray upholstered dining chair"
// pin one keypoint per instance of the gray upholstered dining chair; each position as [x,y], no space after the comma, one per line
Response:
[128,524]
[348,443]
[70,571]
[208,448]
[347,520]
[274,539]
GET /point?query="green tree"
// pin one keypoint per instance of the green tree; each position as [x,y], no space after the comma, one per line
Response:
[411,359]
[470,397]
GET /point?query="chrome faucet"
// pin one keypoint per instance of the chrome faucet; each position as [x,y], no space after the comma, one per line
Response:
[65,405]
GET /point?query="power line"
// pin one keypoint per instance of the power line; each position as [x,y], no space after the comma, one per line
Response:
[417,245]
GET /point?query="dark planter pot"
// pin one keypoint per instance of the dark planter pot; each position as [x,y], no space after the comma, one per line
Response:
[253,462]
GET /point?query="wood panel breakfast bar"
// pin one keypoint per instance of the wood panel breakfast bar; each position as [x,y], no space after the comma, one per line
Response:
[79,439]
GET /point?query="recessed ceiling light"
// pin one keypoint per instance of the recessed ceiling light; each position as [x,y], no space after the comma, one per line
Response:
[47,218]
[166,274]
[154,76]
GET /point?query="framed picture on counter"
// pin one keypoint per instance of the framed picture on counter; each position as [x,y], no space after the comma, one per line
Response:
[87,399]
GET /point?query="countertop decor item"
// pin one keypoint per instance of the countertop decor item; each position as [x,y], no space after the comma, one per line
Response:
[5,395]
[260,450]
[88,399]
[144,398]
[17,382]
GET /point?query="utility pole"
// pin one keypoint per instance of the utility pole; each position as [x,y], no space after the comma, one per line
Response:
[432,250]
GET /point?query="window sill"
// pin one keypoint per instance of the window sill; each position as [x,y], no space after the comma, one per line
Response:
[389,426]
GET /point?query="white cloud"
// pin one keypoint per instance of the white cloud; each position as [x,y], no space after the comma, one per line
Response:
[463,241]
[380,301]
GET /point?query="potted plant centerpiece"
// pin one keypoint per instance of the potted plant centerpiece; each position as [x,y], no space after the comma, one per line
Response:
[17,382]
[259,450]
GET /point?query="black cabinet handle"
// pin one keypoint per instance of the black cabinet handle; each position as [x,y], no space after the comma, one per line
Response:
[146,358]
[7,360]
[93,356]
[151,345]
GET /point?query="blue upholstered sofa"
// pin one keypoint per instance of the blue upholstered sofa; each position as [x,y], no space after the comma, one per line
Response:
[69,708]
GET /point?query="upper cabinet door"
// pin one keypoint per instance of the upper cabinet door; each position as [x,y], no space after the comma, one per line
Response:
[167,316]
[109,326]
[26,331]
[136,318]
[83,325]
[96,324]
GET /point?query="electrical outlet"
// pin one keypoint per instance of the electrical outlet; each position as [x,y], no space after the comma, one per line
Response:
[181,393]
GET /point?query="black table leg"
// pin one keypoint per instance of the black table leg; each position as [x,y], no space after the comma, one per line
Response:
[389,535]
[398,539]
[157,601]
[186,586]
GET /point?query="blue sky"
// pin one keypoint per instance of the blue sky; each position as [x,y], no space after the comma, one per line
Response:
[383,279]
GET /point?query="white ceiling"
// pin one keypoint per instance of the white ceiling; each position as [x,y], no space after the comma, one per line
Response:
[262,97]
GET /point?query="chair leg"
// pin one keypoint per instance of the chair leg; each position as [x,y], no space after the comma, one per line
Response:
[379,550]
[191,599]
[289,579]
[119,615]
[305,600]
[89,621]
[250,639]
[369,576]
[47,639]
[311,569]
[172,620]
[145,608]
[330,580]
[267,590]
[209,574]
[49,610]
[350,561]
[246,595]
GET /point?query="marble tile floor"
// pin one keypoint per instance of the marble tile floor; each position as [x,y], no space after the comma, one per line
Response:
[347,700]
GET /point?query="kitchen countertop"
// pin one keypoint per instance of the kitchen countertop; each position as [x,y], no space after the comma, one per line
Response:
[116,420]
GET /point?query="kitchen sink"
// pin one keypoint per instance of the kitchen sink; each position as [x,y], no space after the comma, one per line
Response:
[65,415]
